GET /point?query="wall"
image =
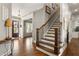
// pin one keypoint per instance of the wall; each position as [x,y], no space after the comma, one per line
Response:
[38,15]
[29,16]
[65,19]
[5,49]
[3,29]
[65,16]
[74,23]
[38,20]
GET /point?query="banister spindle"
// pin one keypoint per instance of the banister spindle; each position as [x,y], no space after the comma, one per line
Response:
[37,37]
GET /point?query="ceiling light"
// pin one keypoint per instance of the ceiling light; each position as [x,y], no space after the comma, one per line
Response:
[76,10]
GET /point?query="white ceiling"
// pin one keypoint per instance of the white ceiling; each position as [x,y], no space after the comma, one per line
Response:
[25,8]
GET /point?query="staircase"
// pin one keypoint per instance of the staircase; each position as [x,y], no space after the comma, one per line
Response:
[48,41]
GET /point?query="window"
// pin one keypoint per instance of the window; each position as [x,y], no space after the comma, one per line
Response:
[28,27]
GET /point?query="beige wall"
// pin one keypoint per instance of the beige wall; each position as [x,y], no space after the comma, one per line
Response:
[3,29]
[39,18]
[65,19]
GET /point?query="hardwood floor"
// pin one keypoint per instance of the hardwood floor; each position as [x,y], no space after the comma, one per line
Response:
[72,48]
[25,47]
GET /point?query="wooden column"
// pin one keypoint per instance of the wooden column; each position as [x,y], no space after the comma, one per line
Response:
[37,37]
[56,48]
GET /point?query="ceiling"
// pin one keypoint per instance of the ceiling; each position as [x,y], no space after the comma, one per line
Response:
[74,8]
[25,8]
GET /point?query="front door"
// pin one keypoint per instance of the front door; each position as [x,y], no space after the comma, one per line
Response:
[15,29]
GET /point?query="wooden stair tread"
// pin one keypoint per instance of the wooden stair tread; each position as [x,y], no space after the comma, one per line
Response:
[46,49]
[54,27]
[47,43]
[50,33]
[50,30]
[48,39]
[49,36]
[51,45]
[53,40]
[57,23]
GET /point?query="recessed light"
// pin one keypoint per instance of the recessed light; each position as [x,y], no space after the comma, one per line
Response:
[76,10]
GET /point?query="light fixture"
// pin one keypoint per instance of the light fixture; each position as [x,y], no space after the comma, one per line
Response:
[76,10]
[8,24]
[19,15]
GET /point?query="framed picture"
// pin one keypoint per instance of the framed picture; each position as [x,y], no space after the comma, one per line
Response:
[48,10]
[53,6]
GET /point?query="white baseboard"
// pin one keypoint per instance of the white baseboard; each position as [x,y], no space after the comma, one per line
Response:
[62,49]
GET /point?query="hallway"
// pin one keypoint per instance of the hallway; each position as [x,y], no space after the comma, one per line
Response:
[72,48]
[24,47]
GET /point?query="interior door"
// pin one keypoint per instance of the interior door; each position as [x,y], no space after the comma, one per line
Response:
[15,29]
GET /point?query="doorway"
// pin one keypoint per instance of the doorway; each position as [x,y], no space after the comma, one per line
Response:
[15,28]
[27,28]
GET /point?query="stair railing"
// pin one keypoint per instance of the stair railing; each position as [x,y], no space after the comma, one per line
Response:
[43,29]
[57,39]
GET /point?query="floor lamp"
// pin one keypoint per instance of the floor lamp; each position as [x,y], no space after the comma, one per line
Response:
[8,24]
[77,30]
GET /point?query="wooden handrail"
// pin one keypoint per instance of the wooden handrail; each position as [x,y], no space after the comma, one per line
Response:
[48,19]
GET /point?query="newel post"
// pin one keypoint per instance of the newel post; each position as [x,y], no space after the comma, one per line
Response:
[56,48]
[37,37]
